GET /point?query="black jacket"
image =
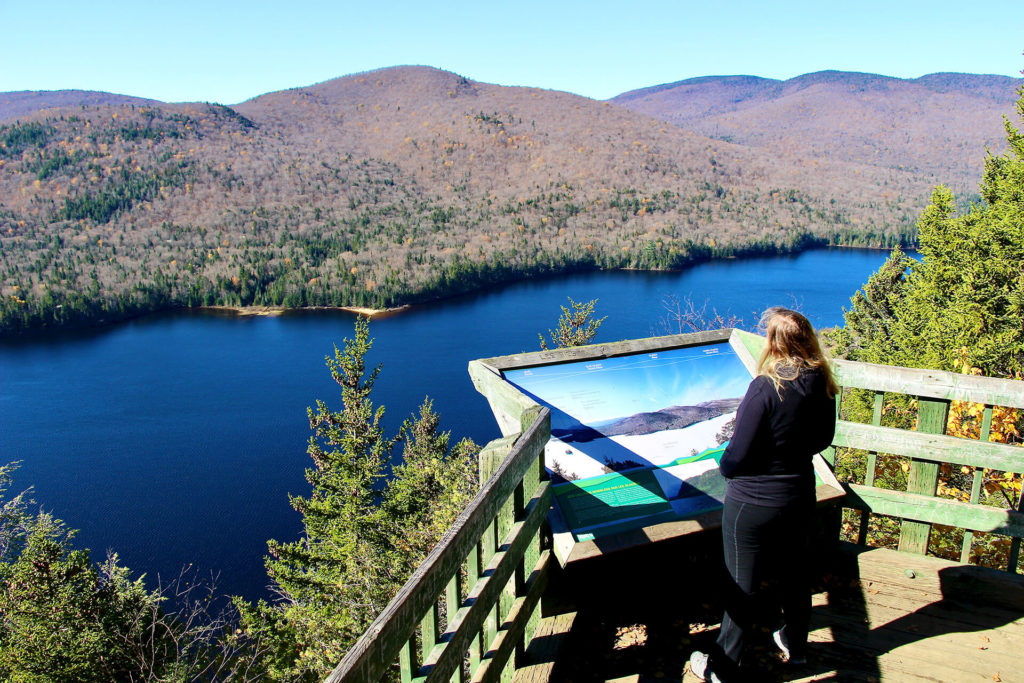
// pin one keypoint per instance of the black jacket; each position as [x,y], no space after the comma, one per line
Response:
[768,459]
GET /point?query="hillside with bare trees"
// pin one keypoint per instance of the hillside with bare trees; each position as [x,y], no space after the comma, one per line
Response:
[932,126]
[390,187]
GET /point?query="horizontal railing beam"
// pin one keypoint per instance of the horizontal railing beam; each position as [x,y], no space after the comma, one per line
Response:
[921,508]
[940,384]
[933,447]
[378,647]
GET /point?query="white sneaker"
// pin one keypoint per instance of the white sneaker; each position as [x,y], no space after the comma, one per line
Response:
[699,667]
[786,655]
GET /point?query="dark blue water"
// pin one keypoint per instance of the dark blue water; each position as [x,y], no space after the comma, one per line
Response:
[175,439]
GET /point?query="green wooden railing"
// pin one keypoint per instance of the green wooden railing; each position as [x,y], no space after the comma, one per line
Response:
[928,447]
[470,608]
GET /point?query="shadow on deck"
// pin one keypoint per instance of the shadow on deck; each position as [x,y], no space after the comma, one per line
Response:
[879,615]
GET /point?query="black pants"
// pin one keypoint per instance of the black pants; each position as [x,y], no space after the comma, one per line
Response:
[766,554]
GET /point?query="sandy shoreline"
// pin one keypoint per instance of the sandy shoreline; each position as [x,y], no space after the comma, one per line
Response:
[280,310]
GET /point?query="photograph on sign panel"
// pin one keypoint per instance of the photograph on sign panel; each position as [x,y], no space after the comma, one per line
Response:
[638,437]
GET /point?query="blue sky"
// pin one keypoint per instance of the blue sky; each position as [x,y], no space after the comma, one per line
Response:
[231,51]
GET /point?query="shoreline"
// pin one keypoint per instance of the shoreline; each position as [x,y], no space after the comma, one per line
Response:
[276,311]
[375,313]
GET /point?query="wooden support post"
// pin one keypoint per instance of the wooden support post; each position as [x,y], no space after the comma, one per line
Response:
[923,477]
[491,458]
[1011,565]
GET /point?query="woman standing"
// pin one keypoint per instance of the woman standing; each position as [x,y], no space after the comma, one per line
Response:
[786,416]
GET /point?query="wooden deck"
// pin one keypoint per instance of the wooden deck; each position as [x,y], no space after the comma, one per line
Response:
[881,615]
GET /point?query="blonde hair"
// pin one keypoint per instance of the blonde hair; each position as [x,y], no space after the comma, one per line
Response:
[791,346]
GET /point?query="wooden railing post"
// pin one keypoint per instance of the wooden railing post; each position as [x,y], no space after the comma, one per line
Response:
[923,477]
[490,460]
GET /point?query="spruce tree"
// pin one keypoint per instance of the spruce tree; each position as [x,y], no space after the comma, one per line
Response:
[367,525]
[330,578]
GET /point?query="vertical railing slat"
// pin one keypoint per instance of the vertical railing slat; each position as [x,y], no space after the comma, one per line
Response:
[869,472]
[452,602]
[429,628]
[517,586]
[532,555]
[979,477]
[829,454]
[490,629]
[407,660]
[473,575]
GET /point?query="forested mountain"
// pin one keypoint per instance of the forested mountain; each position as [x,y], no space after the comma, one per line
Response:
[389,187]
[932,125]
[16,105]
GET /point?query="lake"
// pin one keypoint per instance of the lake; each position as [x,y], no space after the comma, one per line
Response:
[175,439]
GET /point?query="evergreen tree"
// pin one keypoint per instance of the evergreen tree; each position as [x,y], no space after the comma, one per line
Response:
[576,327]
[366,525]
[330,578]
[431,486]
[963,303]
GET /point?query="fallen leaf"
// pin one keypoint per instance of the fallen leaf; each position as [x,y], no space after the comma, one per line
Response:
[628,636]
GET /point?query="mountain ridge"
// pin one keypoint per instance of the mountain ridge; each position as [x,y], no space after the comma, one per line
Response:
[940,81]
[929,125]
[649,422]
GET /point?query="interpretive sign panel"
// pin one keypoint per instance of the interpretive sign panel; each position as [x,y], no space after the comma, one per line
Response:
[638,429]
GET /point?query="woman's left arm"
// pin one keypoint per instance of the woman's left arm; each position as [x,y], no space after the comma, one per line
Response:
[753,409]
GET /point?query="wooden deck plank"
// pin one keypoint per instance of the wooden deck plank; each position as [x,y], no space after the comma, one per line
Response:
[917,639]
[885,616]
[544,647]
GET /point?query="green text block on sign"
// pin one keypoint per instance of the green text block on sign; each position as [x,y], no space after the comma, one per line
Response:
[611,498]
